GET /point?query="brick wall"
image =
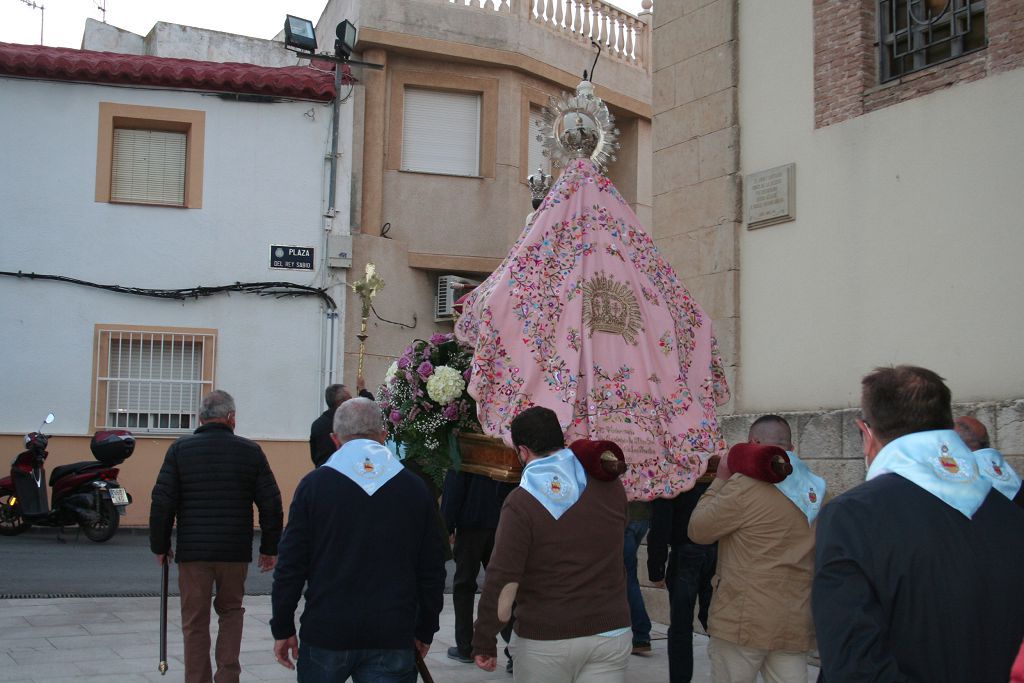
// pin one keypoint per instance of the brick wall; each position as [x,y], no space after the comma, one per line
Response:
[846,59]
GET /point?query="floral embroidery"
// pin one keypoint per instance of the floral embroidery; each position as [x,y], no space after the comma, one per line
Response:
[665,344]
[525,323]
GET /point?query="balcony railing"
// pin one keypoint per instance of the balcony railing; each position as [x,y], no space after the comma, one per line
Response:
[622,36]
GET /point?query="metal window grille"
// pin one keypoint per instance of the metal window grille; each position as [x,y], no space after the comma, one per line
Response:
[915,34]
[152,381]
[148,167]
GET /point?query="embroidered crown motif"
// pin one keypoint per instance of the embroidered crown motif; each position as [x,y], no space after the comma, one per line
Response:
[610,306]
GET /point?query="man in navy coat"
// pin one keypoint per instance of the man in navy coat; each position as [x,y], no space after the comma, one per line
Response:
[919,570]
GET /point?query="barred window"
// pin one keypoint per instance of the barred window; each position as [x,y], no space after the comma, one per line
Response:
[151,379]
[915,34]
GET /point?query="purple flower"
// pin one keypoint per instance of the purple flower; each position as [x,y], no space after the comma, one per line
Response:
[451,412]
[425,369]
[395,417]
[439,338]
[466,375]
[403,362]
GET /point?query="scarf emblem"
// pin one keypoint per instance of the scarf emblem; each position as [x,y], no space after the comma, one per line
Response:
[950,467]
[366,469]
[811,495]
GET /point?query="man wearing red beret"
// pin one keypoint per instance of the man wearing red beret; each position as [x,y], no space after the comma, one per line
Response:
[760,617]
[558,555]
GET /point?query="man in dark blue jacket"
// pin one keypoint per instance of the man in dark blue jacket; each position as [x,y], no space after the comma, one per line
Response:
[471,505]
[209,482]
[918,571]
[362,540]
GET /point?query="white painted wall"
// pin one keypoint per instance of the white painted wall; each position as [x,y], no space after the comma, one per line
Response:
[908,238]
[265,180]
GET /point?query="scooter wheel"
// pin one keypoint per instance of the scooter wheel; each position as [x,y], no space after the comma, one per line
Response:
[105,527]
[11,521]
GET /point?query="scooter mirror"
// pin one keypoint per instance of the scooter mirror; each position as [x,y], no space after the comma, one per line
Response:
[49,418]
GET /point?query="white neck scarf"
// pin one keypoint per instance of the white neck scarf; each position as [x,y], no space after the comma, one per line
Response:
[803,487]
[994,467]
[939,462]
[556,481]
[366,462]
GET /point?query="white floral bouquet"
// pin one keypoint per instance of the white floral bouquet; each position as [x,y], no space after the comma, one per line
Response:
[424,401]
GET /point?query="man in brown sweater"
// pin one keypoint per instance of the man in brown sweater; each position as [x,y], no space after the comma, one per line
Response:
[558,555]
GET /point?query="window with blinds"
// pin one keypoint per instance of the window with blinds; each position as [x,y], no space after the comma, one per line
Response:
[152,380]
[148,167]
[535,150]
[441,132]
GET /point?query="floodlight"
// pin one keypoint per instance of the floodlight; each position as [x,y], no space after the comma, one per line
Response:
[346,41]
[299,33]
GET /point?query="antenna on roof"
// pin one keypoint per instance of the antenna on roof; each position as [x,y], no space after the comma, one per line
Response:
[101,5]
[41,10]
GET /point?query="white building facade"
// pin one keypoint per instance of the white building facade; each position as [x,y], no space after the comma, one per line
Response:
[183,180]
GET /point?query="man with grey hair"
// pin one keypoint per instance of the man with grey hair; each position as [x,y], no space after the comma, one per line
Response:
[208,482]
[361,540]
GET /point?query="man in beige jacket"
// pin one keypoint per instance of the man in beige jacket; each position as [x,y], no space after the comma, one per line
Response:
[760,618]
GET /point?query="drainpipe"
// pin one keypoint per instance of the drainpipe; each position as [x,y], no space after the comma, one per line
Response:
[329,326]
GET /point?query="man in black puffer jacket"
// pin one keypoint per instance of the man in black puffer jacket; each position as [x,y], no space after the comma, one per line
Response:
[209,482]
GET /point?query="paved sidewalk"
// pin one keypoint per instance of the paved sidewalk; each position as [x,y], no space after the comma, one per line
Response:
[75,640]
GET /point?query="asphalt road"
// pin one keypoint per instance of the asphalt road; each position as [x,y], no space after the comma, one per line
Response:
[36,564]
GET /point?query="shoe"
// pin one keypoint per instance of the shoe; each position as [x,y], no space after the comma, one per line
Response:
[453,653]
[642,649]
[508,664]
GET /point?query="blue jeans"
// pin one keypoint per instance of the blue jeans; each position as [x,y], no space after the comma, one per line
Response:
[635,532]
[320,665]
[690,569]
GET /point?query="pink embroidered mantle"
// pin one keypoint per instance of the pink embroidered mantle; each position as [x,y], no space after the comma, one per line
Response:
[585,317]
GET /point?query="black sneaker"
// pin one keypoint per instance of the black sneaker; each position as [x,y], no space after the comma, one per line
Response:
[453,653]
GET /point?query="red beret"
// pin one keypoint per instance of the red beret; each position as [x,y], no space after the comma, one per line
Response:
[602,460]
[758,461]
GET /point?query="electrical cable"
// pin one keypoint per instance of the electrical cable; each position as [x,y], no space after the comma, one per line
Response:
[275,289]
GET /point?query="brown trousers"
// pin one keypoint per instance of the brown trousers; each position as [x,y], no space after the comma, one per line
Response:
[196,580]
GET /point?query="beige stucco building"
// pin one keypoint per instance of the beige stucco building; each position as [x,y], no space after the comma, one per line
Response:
[904,235]
[417,219]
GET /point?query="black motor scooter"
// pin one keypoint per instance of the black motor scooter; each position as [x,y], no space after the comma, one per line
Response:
[86,493]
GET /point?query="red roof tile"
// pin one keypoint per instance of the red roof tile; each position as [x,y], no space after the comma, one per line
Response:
[66,64]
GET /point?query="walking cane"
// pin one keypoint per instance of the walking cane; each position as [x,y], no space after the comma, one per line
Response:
[163,618]
[421,666]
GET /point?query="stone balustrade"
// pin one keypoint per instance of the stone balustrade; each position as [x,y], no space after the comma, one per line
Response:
[621,35]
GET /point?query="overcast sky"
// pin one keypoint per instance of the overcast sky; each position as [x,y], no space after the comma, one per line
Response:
[64,20]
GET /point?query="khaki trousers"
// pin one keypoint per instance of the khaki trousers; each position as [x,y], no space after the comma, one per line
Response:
[590,659]
[196,581]
[732,663]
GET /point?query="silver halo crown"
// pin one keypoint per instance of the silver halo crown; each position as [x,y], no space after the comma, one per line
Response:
[579,126]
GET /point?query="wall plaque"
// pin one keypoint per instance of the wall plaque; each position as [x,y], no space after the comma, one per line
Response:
[770,196]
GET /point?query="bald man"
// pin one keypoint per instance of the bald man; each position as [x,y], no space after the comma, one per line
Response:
[760,618]
[991,463]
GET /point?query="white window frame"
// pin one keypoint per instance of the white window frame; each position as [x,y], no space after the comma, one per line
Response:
[441,131]
[148,166]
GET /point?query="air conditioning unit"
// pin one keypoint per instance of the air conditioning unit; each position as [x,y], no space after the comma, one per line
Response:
[449,289]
